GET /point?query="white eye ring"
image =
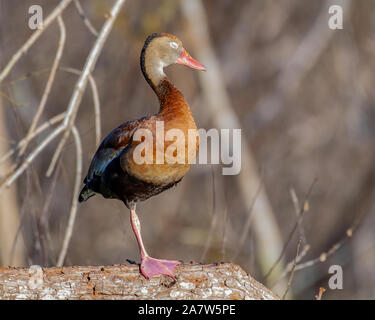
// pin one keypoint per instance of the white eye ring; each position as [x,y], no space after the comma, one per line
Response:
[173,45]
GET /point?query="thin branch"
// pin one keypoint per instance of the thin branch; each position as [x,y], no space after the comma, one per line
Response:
[12,176]
[48,87]
[209,237]
[98,127]
[26,76]
[12,101]
[213,215]
[323,256]
[297,210]
[293,72]
[94,89]
[26,46]
[224,235]
[83,79]
[222,114]
[23,214]
[15,239]
[292,273]
[95,95]
[247,225]
[40,129]
[320,294]
[73,208]
[300,217]
[85,19]
[49,252]
[289,266]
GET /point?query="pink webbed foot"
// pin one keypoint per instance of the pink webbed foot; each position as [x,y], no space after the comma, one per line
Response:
[151,267]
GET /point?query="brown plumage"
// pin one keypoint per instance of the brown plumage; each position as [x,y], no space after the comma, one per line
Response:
[114,173]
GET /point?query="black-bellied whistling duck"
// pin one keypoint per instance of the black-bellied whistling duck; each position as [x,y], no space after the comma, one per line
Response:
[113,171]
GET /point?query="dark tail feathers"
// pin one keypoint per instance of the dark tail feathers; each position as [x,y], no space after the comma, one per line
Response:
[85,194]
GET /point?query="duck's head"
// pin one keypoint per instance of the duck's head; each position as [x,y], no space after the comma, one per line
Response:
[161,50]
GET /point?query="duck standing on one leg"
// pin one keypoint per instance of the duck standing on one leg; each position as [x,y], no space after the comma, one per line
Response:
[114,173]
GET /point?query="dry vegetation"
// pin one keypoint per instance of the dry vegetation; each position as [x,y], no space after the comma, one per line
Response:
[302,94]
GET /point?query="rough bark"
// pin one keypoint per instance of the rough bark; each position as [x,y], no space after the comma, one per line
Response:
[193,281]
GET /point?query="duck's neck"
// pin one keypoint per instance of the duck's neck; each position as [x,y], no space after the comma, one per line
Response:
[169,96]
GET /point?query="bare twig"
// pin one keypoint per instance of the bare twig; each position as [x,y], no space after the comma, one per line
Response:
[85,19]
[12,176]
[26,46]
[48,87]
[209,237]
[94,90]
[224,235]
[310,49]
[73,209]
[81,84]
[292,272]
[21,223]
[213,217]
[247,225]
[15,239]
[320,294]
[9,99]
[297,210]
[98,127]
[300,217]
[9,210]
[297,67]
[323,256]
[95,95]
[26,76]
[223,116]
[49,251]
[289,266]
[40,129]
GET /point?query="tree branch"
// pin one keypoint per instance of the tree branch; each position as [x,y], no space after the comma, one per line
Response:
[40,129]
[26,46]
[81,84]
[86,21]
[193,281]
[47,90]
[95,96]
[73,208]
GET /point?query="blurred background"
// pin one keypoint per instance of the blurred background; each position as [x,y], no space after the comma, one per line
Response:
[304,98]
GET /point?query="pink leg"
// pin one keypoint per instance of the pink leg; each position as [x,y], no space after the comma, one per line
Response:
[150,266]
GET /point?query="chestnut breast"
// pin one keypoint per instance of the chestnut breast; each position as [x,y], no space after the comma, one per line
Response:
[168,144]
